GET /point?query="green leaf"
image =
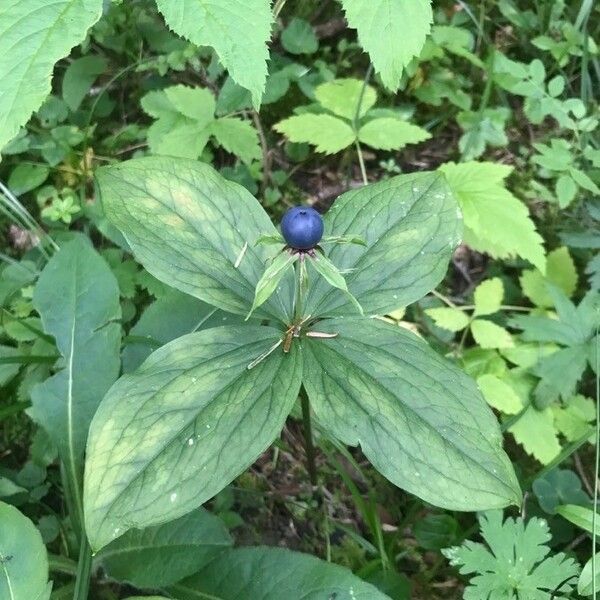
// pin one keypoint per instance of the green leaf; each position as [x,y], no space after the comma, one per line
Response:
[25,177]
[170,436]
[448,318]
[576,418]
[162,555]
[190,227]
[329,134]
[262,573]
[566,190]
[271,278]
[560,271]
[169,317]
[499,394]
[391,31]
[238,137]
[488,297]
[77,298]
[79,77]
[238,31]
[34,34]
[581,516]
[299,37]
[341,97]
[516,563]
[387,133]
[410,224]
[496,222]
[535,431]
[490,335]
[588,581]
[420,421]
[23,558]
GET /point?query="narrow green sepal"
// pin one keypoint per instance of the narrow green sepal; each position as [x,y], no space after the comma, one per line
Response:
[271,277]
[332,275]
[270,239]
[344,239]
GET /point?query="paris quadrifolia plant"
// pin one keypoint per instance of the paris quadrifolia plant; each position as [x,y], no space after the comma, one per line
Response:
[172,434]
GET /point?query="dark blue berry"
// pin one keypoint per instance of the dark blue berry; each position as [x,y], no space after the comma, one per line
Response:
[302,227]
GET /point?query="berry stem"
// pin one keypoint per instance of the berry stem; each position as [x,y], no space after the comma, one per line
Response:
[301,289]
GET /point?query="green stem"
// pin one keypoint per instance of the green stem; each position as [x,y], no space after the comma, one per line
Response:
[596,467]
[308,438]
[301,289]
[355,123]
[84,570]
[361,162]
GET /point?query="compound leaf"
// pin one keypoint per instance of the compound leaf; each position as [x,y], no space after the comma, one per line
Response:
[420,421]
[387,133]
[328,133]
[171,435]
[341,97]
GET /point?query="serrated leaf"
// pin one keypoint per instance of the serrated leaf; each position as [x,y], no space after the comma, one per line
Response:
[237,137]
[499,394]
[274,273]
[490,335]
[496,222]
[24,572]
[560,271]
[194,103]
[566,190]
[391,134]
[79,77]
[341,97]
[420,421]
[488,296]
[162,555]
[299,37]
[171,435]
[536,433]
[391,31]
[187,225]
[576,418]
[238,31]
[77,298]
[410,225]
[448,318]
[35,34]
[262,573]
[328,133]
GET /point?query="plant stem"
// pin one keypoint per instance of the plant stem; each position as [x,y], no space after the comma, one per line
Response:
[308,438]
[84,570]
[301,289]
[361,162]
[596,467]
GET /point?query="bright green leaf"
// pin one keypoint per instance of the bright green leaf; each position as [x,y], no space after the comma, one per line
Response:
[488,296]
[35,34]
[588,581]
[23,558]
[391,31]
[329,134]
[164,554]
[262,573]
[79,77]
[535,431]
[410,225]
[26,177]
[496,222]
[499,394]
[299,37]
[490,335]
[171,435]
[566,190]
[576,418]
[391,134]
[448,318]
[341,97]
[420,421]
[238,31]
[238,137]
[194,230]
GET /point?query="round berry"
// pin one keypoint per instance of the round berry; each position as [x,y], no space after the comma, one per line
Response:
[302,227]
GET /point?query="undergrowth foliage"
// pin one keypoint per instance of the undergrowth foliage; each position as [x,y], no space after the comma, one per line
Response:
[299,300]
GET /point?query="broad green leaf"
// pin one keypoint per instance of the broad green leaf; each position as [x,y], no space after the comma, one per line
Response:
[391,31]
[274,273]
[34,34]
[535,431]
[77,297]
[194,103]
[448,318]
[588,580]
[79,77]
[496,221]
[490,335]
[299,37]
[238,31]
[193,230]
[341,97]
[23,558]
[262,573]
[411,225]
[391,134]
[238,137]
[576,418]
[488,296]
[560,271]
[26,177]
[329,134]
[566,190]
[421,421]
[167,318]
[499,394]
[171,435]
[164,554]
[581,516]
